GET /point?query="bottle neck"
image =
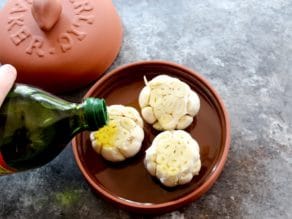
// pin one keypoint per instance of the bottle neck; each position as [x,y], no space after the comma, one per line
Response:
[95,113]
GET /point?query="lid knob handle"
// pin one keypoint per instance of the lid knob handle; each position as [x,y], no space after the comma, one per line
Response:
[46,13]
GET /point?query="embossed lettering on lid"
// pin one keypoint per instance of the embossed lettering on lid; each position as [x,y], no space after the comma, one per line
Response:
[46,14]
[57,42]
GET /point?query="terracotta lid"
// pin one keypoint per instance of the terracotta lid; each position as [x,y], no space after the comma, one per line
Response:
[59,45]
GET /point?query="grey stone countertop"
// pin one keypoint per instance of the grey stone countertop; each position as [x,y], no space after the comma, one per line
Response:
[244,48]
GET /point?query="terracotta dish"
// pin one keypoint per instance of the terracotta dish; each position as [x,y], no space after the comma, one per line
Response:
[59,45]
[128,184]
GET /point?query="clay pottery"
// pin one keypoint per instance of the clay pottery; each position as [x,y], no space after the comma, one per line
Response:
[59,45]
[128,184]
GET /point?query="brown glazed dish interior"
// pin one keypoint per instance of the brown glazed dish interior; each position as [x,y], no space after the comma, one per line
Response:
[128,184]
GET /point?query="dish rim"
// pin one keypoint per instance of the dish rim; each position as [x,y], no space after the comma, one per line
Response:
[196,193]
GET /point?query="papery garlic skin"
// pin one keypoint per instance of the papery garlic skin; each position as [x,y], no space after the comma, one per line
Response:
[173,157]
[122,137]
[168,103]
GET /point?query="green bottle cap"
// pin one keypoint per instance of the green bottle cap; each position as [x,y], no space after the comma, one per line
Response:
[95,113]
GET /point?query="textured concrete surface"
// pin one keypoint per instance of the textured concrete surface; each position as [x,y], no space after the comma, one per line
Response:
[244,48]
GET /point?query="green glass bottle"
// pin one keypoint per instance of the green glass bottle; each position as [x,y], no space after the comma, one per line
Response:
[35,126]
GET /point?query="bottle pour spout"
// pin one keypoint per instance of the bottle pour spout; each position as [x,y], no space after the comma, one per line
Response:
[46,13]
[95,113]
